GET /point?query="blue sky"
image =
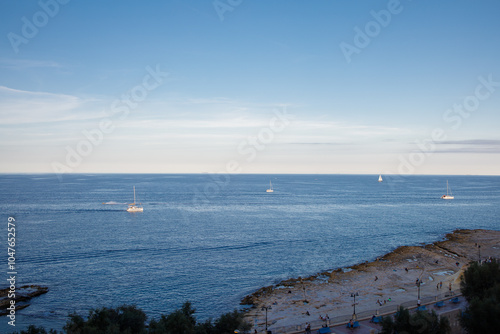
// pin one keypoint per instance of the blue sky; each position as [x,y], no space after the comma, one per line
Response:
[250,86]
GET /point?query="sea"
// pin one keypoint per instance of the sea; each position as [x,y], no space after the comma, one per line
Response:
[212,239]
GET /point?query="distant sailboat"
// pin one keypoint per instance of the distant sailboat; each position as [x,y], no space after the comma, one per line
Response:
[380,178]
[270,190]
[448,195]
[132,207]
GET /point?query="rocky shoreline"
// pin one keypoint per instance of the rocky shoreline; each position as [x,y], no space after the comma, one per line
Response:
[23,295]
[390,278]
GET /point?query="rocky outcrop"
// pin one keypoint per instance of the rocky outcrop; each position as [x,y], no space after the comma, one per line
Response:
[22,296]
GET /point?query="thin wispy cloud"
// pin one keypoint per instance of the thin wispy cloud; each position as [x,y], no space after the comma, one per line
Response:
[215,100]
[22,64]
[477,150]
[20,106]
[474,142]
[488,146]
[233,123]
[324,144]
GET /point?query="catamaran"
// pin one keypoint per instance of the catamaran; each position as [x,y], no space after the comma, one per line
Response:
[133,207]
[380,178]
[270,190]
[448,195]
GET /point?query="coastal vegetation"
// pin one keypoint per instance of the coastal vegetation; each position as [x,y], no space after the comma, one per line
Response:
[480,286]
[419,322]
[128,319]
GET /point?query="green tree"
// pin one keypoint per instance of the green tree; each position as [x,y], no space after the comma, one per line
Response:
[479,278]
[128,319]
[181,321]
[32,329]
[206,327]
[125,319]
[420,322]
[480,285]
[228,322]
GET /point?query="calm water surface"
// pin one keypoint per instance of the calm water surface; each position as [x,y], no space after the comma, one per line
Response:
[213,240]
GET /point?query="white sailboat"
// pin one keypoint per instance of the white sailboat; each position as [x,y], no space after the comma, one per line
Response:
[133,207]
[380,178]
[448,195]
[270,190]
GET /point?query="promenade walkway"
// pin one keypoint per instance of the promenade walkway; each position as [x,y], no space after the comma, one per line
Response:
[449,308]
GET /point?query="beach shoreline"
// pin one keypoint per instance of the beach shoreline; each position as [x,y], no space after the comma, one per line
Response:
[389,280]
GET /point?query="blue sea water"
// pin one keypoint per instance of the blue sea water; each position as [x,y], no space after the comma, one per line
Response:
[214,239]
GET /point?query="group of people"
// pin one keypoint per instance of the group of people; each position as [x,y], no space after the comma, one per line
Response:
[308,325]
[351,324]
[385,301]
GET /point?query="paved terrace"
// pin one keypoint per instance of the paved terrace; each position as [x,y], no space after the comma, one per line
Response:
[338,325]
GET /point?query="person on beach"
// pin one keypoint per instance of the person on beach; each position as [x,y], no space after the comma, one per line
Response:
[441,285]
[437,286]
[376,278]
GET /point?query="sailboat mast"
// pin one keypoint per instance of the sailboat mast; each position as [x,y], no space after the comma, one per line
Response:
[134,194]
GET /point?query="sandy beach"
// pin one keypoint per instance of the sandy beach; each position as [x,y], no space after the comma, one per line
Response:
[380,285]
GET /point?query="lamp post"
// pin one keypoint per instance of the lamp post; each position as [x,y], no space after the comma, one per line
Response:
[353,295]
[479,251]
[418,288]
[266,308]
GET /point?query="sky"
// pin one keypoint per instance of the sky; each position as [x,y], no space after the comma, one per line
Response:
[241,86]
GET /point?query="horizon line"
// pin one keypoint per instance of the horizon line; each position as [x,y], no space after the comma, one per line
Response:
[255,173]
